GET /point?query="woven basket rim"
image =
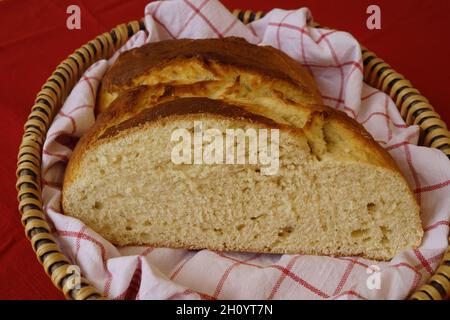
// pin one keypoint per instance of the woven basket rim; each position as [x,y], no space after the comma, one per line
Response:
[414,108]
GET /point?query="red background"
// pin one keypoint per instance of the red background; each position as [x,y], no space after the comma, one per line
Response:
[414,39]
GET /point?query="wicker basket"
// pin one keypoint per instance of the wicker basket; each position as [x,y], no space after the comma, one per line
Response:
[414,108]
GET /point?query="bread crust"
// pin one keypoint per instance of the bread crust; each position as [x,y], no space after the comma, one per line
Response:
[229,51]
[221,58]
[186,106]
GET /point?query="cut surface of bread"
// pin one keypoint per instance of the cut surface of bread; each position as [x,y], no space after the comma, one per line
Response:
[232,60]
[336,192]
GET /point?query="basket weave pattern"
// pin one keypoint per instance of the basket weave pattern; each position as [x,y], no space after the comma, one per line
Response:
[414,108]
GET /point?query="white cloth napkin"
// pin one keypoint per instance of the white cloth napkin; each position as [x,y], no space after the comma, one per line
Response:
[334,58]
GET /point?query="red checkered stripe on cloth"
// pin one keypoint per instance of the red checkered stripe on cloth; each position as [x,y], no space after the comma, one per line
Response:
[286,272]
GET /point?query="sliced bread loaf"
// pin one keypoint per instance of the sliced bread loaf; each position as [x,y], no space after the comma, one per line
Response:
[335,191]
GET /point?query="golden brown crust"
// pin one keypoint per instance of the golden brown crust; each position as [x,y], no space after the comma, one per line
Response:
[186,106]
[230,51]
[359,133]
[203,59]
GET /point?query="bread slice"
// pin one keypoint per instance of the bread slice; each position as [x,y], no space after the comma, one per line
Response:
[336,192]
[230,60]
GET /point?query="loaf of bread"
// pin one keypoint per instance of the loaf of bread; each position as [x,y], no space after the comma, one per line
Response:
[328,189]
